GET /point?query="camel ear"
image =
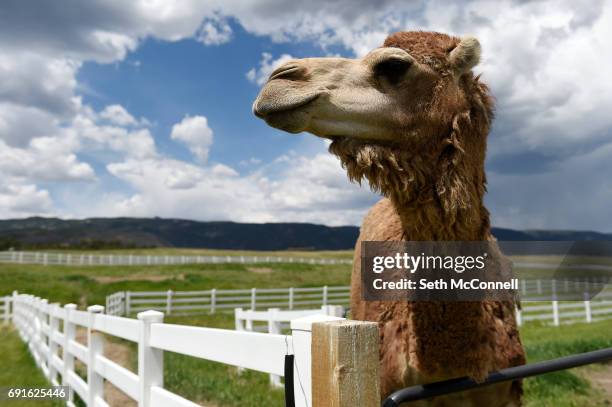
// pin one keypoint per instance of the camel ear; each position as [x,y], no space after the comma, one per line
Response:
[465,55]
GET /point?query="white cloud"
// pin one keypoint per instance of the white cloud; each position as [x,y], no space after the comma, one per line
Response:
[195,133]
[261,74]
[303,189]
[116,114]
[21,200]
[38,82]
[214,31]
[45,159]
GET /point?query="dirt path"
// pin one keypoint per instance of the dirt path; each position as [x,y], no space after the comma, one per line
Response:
[120,354]
[602,379]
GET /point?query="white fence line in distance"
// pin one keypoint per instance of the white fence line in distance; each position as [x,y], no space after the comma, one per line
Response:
[214,300]
[88,259]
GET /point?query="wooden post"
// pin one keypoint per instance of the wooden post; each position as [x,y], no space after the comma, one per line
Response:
[69,335]
[150,360]
[53,327]
[301,332]
[7,305]
[555,305]
[41,309]
[291,298]
[95,347]
[324,295]
[253,298]
[274,327]
[127,304]
[345,364]
[213,300]
[587,308]
[169,302]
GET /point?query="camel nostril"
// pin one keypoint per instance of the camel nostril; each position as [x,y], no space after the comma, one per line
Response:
[286,72]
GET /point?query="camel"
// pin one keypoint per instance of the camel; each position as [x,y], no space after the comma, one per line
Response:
[412,120]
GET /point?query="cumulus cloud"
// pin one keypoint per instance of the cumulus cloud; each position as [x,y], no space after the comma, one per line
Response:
[301,189]
[21,200]
[38,82]
[267,64]
[116,114]
[195,134]
[214,31]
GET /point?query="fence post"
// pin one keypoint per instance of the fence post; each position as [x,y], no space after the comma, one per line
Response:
[169,302]
[587,308]
[290,297]
[324,295]
[53,327]
[344,359]
[127,304]
[95,347]
[555,305]
[69,335]
[274,327]
[238,321]
[301,332]
[150,360]
[213,300]
[253,298]
[15,310]
[239,325]
[7,304]
[42,317]
[539,286]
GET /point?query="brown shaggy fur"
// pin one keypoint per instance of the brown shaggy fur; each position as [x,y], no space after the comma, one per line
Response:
[433,179]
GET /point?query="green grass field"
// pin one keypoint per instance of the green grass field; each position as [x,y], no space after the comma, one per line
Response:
[221,385]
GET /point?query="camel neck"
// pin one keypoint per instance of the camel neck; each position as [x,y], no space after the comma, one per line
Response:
[428,221]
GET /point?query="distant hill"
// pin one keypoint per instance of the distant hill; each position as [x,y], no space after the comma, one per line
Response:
[97,233]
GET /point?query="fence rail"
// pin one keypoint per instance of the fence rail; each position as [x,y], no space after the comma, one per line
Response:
[215,300]
[76,259]
[48,328]
[535,305]
[276,321]
[5,309]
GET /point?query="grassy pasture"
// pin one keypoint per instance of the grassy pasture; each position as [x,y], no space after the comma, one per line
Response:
[220,385]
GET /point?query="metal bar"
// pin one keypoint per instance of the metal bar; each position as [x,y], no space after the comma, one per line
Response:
[429,390]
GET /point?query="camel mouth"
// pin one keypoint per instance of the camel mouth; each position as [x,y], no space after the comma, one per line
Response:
[265,108]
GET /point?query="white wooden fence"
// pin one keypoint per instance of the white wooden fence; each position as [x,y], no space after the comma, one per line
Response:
[276,320]
[5,309]
[190,302]
[566,312]
[86,259]
[39,323]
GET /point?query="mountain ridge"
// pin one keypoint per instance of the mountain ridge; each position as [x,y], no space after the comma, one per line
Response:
[93,233]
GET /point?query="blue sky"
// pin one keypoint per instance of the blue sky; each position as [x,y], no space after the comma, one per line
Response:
[110,108]
[164,81]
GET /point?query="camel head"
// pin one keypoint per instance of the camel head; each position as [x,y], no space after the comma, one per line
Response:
[409,116]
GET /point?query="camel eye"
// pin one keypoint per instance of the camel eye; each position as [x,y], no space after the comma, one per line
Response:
[393,69]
